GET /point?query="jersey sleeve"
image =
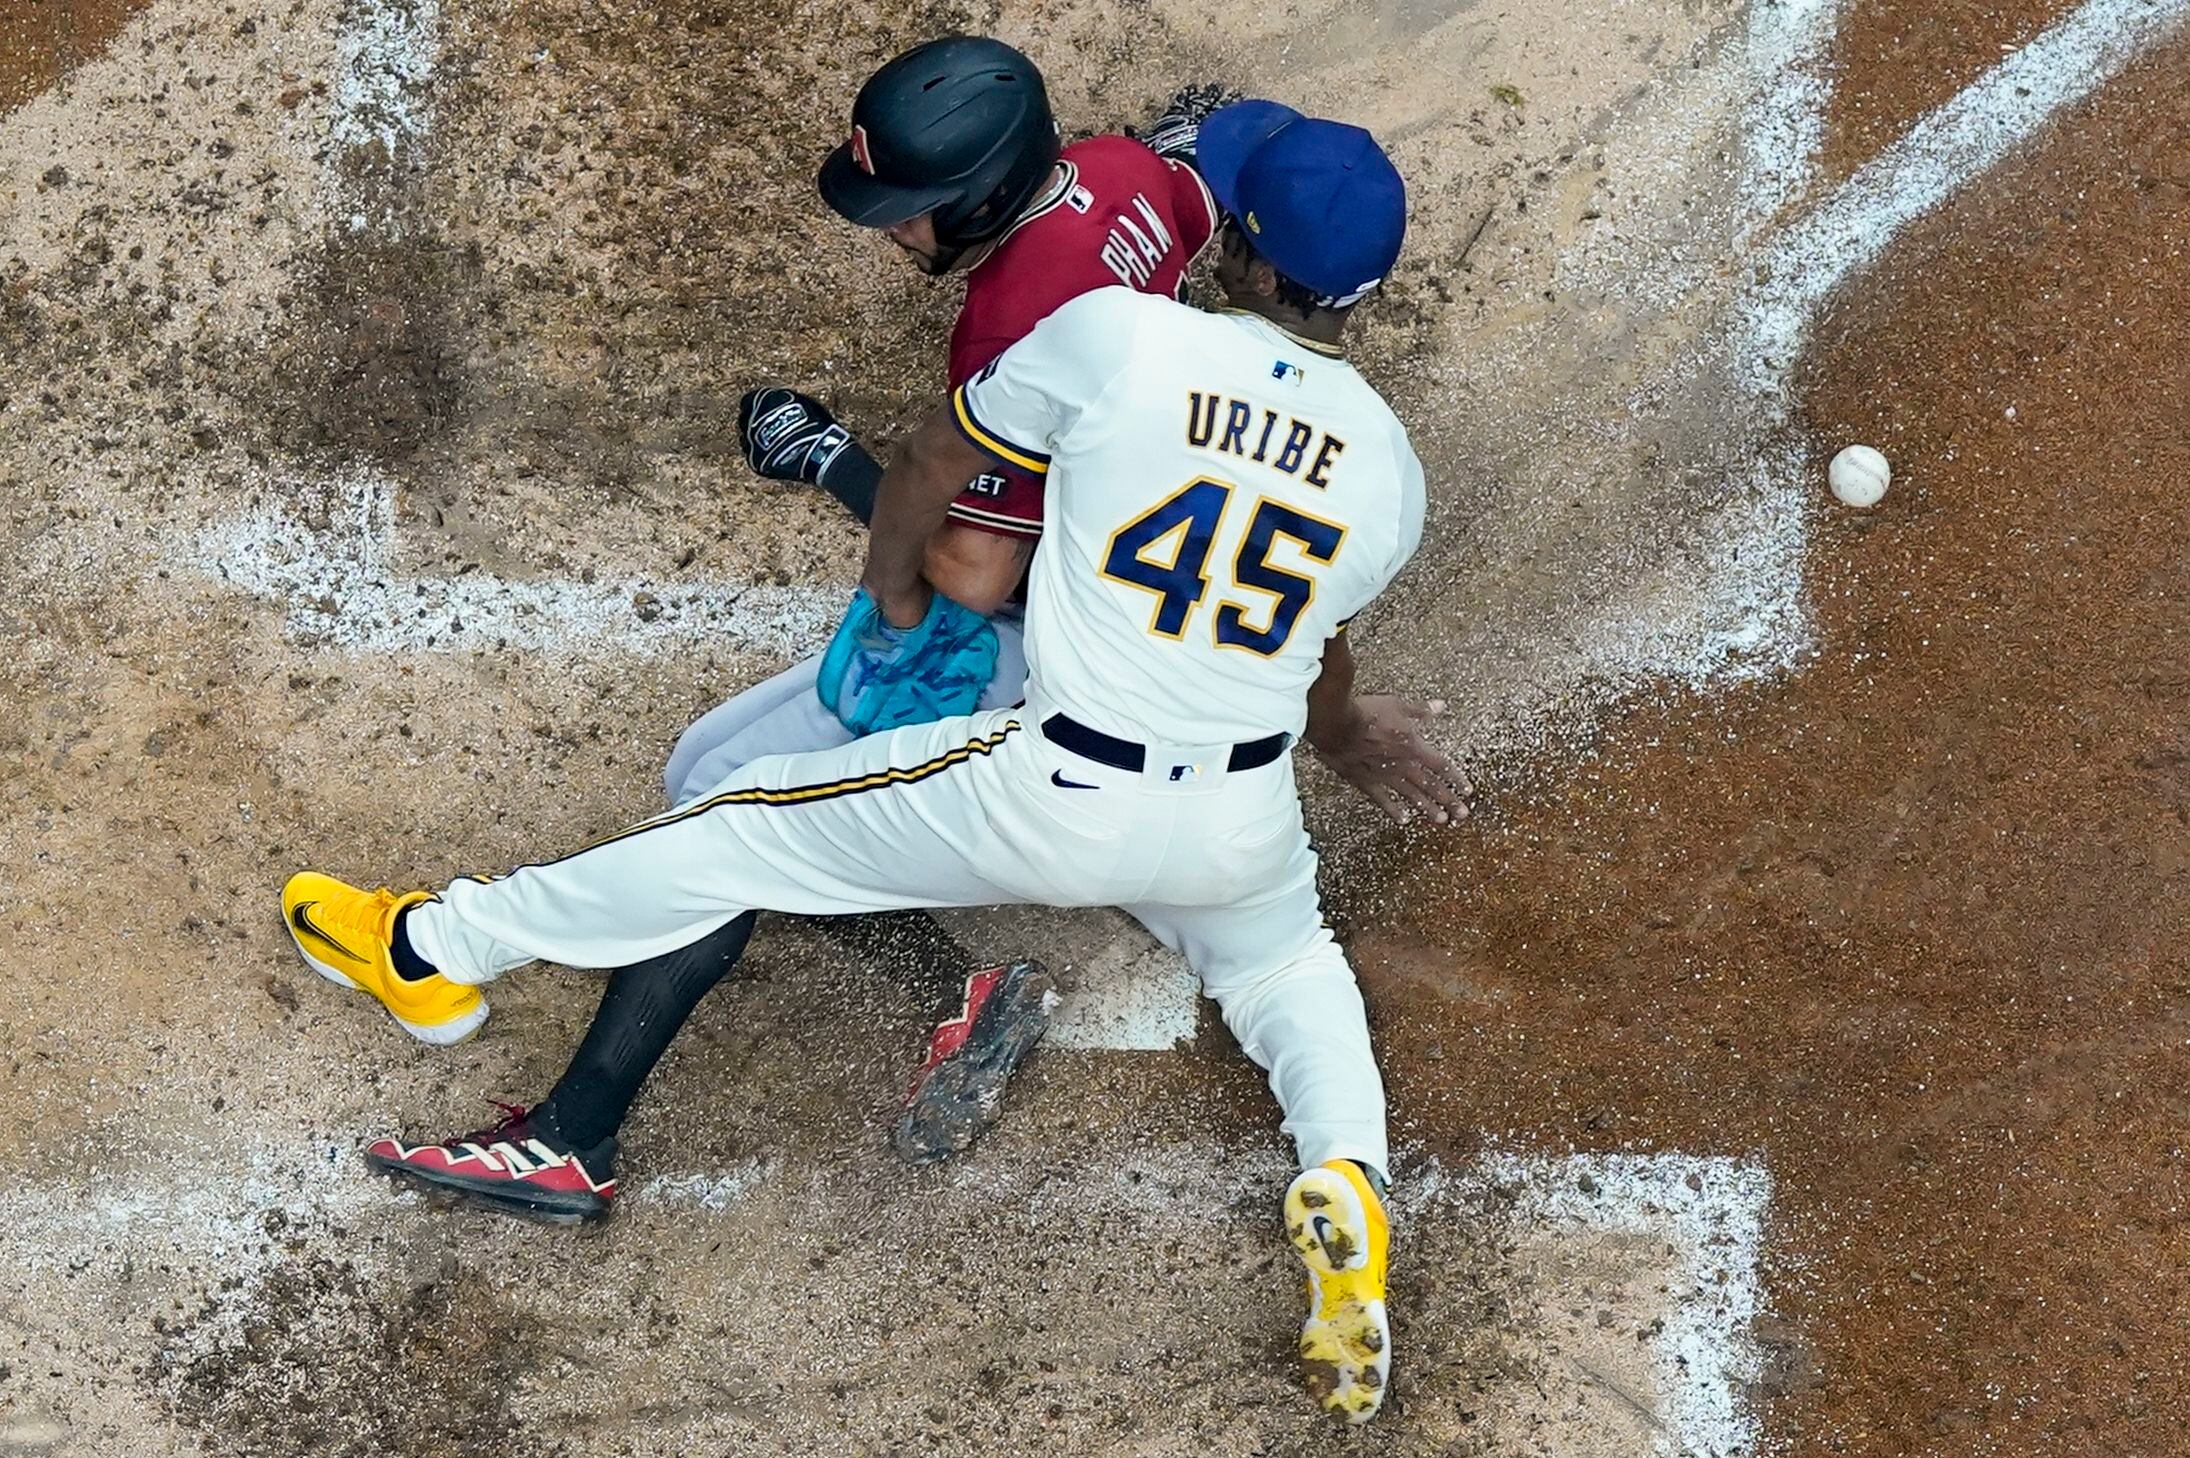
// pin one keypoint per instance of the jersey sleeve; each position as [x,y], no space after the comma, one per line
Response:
[1192,207]
[1020,405]
[1409,507]
[1413,499]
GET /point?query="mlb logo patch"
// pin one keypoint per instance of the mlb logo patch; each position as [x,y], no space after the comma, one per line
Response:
[1079,199]
[1287,371]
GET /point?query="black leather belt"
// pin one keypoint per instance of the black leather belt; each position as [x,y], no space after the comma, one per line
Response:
[1126,755]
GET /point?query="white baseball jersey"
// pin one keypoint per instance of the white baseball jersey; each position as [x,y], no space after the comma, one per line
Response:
[1225,497]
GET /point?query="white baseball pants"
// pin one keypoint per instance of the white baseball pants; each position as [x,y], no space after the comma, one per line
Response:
[977,811]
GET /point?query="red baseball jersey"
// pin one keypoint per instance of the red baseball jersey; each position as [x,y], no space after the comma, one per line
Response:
[1118,214]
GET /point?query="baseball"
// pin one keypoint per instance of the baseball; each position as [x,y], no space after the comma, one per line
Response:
[1859,476]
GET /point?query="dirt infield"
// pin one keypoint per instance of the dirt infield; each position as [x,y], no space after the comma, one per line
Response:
[40,43]
[1912,923]
[1893,62]
[1790,1058]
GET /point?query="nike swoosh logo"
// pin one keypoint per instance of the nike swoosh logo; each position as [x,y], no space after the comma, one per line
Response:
[302,921]
[1057,778]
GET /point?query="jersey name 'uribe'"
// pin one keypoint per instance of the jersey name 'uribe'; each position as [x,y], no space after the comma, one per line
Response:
[1284,449]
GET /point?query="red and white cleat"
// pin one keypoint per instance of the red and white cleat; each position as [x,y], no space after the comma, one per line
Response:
[521,1166]
[960,1087]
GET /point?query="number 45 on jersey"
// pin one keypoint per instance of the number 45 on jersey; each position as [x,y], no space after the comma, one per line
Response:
[1166,553]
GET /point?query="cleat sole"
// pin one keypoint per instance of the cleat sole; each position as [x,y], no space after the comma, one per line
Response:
[963,1095]
[1345,1342]
[545,1207]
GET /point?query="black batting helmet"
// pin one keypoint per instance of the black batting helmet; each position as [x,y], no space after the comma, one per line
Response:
[959,127]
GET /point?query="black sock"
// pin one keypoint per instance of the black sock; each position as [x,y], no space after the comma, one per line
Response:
[408,964]
[644,1006]
[851,477]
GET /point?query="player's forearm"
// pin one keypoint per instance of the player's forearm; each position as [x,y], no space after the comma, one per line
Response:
[976,569]
[912,502]
[1331,711]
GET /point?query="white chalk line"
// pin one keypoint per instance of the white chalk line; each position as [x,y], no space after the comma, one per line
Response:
[384,63]
[1709,1213]
[385,55]
[712,1192]
[1725,603]
[1945,150]
[342,588]
[1753,562]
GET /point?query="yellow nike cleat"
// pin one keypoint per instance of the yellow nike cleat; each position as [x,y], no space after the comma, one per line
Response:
[1335,1220]
[346,934]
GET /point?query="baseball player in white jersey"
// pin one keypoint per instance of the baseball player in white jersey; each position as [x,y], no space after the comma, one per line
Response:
[1225,494]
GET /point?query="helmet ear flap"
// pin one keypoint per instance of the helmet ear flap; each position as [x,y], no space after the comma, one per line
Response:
[1026,161]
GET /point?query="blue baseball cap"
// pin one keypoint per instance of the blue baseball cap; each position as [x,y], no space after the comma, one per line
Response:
[1318,199]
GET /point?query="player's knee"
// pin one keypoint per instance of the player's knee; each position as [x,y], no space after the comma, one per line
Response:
[1306,1002]
[682,760]
[977,569]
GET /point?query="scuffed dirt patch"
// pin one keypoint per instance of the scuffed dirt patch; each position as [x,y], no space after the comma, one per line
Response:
[314,1358]
[369,363]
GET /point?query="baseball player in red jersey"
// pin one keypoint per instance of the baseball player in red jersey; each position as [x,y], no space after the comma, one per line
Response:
[1115,214]
[953,129]
[953,156]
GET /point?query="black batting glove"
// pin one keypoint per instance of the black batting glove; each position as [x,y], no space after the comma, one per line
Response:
[788,436]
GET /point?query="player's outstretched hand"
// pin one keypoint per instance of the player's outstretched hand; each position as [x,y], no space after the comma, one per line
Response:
[1175,129]
[788,436]
[1382,752]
